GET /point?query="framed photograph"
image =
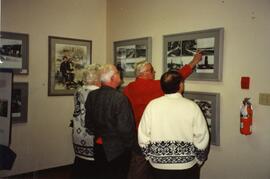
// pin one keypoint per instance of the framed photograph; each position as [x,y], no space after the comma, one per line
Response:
[14,49]
[6,77]
[179,50]
[127,53]
[209,104]
[67,58]
[19,102]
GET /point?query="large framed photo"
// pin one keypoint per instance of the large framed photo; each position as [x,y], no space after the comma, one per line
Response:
[19,102]
[209,104]
[67,58]
[179,50]
[6,78]
[14,52]
[128,53]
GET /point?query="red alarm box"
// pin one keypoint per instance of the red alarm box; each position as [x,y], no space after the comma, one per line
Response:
[245,82]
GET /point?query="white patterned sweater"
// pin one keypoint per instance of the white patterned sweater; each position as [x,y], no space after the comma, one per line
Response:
[173,133]
[82,141]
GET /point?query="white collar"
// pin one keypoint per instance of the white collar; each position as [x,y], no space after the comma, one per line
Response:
[90,87]
[174,95]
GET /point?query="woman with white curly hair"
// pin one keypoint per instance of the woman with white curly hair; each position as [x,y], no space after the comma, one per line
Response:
[82,140]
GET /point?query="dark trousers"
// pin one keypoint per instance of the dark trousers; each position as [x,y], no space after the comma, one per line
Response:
[139,167]
[117,168]
[83,169]
[191,173]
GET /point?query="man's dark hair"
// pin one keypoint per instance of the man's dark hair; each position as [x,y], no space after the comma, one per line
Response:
[170,82]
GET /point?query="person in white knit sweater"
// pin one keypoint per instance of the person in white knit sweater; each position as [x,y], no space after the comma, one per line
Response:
[173,132]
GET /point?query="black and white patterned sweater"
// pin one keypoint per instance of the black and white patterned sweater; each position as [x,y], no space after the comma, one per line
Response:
[82,141]
[173,133]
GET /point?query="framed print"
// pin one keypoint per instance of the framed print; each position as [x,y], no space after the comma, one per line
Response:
[179,50]
[67,58]
[209,104]
[6,78]
[14,52]
[127,53]
[19,102]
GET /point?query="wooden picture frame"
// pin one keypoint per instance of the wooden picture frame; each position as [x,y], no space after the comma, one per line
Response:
[179,49]
[19,102]
[210,106]
[129,52]
[14,52]
[67,58]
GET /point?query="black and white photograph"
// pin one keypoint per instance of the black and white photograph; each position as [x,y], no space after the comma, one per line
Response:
[128,56]
[179,50]
[19,102]
[3,108]
[189,47]
[209,104]
[206,107]
[11,53]
[174,49]
[67,58]
[128,53]
[14,52]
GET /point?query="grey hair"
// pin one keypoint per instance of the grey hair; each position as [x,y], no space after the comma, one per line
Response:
[91,74]
[106,72]
[139,67]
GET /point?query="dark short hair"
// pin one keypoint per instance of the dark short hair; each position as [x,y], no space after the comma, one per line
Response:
[170,81]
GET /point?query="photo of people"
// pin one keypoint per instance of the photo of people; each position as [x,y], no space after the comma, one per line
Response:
[69,61]
[10,53]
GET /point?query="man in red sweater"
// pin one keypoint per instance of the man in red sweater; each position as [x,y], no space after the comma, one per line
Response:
[140,92]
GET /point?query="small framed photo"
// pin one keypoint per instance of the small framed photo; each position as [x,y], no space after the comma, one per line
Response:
[179,50]
[209,104]
[14,49]
[67,58]
[127,53]
[19,102]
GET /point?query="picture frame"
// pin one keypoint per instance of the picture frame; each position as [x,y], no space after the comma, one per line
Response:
[19,102]
[179,49]
[6,78]
[210,106]
[14,52]
[127,53]
[67,59]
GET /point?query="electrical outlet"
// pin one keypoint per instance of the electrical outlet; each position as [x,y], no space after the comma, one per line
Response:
[264,99]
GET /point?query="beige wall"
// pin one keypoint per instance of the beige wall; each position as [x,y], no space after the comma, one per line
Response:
[45,140]
[246,44]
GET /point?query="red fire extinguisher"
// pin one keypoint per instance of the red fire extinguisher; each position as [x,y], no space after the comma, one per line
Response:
[246,113]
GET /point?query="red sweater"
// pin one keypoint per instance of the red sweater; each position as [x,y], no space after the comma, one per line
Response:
[141,91]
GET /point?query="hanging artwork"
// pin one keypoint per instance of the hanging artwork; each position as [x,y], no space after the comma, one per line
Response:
[179,50]
[14,52]
[128,53]
[19,102]
[67,58]
[209,104]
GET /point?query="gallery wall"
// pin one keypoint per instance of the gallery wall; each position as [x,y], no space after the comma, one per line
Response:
[44,141]
[246,42]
